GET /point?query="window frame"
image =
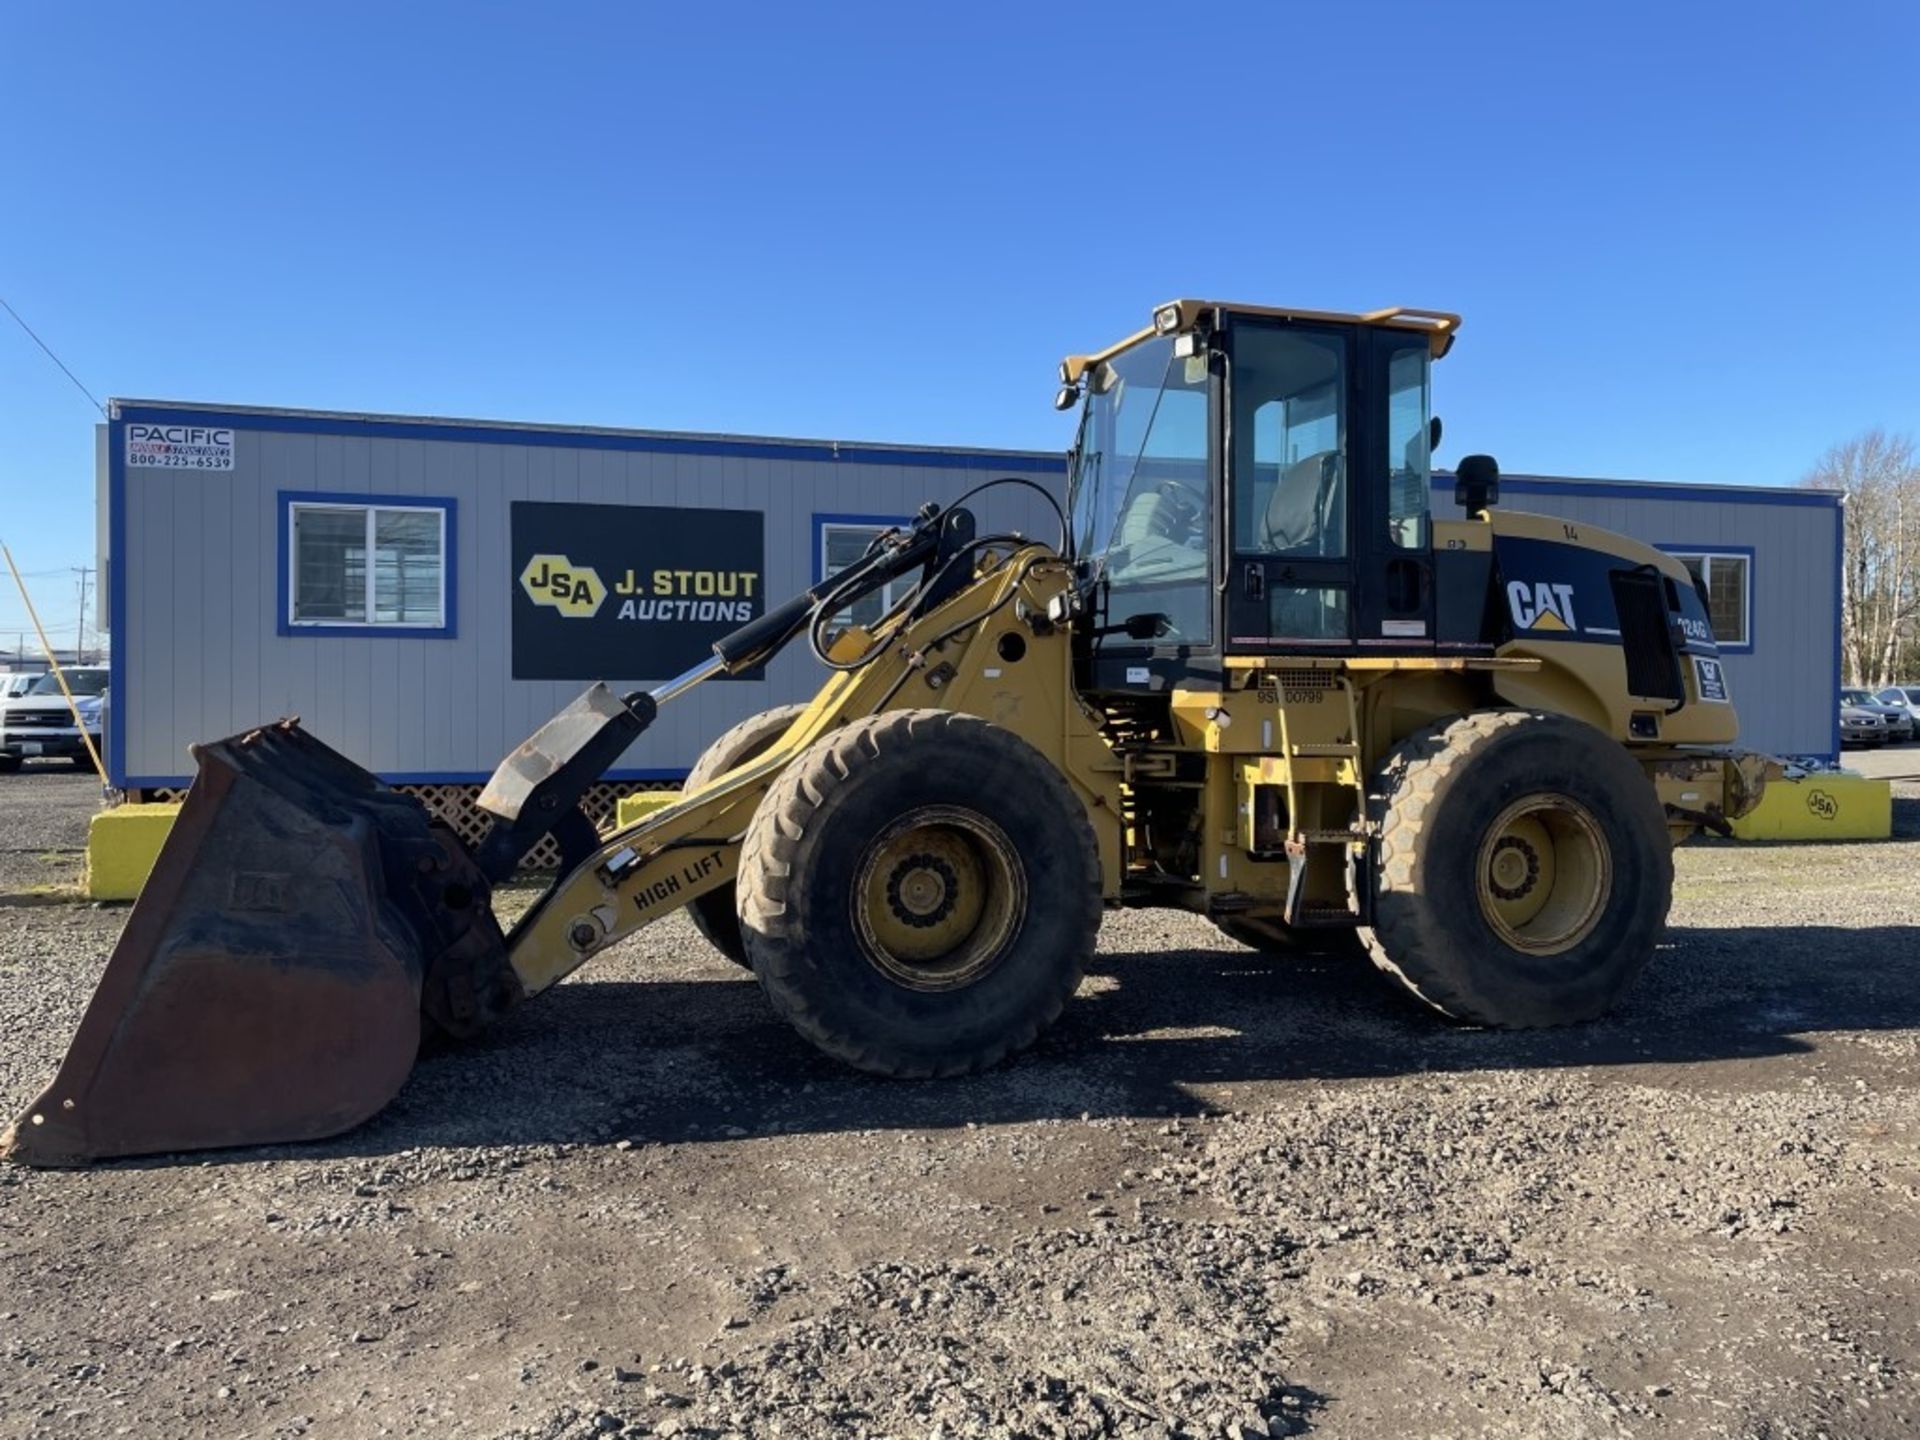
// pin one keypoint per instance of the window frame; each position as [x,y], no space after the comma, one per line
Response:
[824,523]
[1708,554]
[445,628]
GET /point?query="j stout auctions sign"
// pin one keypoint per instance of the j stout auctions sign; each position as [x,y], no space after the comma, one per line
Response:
[630,592]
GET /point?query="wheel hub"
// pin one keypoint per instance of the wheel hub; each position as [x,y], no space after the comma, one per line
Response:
[1544,874]
[938,898]
[923,890]
[1515,868]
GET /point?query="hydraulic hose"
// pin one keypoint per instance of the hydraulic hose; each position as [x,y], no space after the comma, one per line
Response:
[760,640]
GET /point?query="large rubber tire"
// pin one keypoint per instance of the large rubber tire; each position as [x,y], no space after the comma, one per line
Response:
[849,848]
[1456,853]
[714,913]
[1282,941]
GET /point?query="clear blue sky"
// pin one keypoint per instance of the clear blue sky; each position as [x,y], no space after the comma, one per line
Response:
[1686,237]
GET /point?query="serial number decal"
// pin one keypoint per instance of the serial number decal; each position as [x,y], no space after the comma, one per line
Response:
[1711,679]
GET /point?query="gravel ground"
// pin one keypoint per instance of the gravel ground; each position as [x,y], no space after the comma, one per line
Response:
[1225,1197]
[44,807]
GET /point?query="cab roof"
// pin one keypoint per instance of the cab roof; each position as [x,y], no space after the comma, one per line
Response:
[1176,316]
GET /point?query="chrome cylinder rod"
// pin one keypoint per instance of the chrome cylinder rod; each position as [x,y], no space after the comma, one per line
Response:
[687,679]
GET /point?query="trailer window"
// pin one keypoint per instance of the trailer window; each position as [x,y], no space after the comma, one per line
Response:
[843,541]
[1727,577]
[365,568]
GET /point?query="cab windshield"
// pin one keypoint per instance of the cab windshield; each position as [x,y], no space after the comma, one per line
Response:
[1141,504]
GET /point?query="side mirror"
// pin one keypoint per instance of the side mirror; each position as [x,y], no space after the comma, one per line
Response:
[1433,435]
[1476,482]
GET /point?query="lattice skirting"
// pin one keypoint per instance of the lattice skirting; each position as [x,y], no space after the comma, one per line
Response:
[454,805]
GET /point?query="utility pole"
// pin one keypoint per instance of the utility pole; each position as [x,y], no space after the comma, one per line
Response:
[80,633]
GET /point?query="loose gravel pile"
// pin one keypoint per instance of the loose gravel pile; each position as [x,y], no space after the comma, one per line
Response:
[1226,1197]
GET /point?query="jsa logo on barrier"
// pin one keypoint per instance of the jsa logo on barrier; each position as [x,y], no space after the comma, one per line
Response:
[574,590]
[1541,605]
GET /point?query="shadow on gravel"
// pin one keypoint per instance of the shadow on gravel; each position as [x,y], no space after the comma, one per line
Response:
[708,1060]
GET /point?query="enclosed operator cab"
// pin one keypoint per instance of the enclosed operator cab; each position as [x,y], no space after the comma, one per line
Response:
[1259,480]
[1254,483]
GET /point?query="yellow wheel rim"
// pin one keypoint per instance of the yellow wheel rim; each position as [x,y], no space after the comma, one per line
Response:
[1544,874]
[938,897]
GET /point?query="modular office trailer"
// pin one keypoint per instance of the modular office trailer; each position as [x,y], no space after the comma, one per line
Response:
[512,564]
[425,593]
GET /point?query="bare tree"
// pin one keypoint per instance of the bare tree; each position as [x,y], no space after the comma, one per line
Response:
[1880,586]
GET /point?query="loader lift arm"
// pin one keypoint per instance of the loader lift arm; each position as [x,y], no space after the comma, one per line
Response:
[271,982]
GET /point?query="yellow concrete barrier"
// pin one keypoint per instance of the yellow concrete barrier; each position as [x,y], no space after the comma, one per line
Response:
[1837,805]
[643,804]
[122,844]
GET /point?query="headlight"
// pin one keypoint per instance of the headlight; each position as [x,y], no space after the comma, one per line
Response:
[1166,320]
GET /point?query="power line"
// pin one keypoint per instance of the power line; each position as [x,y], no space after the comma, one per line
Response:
[51,356]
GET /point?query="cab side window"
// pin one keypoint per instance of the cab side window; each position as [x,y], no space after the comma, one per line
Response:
[1409,459]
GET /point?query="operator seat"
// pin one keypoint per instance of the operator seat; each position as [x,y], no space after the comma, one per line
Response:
[1306,514]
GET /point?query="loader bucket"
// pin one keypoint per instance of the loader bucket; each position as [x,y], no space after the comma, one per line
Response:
[268,984]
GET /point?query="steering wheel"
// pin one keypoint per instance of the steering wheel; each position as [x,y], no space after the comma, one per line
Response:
[1185,506]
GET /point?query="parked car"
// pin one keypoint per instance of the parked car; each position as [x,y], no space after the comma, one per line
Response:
[1905,698]
[1898,723]
[16,682]
[1861,726]
[39,722]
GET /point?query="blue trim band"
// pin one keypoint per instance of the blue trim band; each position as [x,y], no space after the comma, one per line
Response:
[827,453]
[118,696]
[404,777]
[1839,613]
[361,500]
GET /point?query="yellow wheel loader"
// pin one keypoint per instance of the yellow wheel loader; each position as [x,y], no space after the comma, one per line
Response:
[1251,676]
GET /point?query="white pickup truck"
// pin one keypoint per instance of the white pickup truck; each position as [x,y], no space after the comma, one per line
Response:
[38,721]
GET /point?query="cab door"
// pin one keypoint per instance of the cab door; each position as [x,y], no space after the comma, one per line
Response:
[1290,580]
[1329,539]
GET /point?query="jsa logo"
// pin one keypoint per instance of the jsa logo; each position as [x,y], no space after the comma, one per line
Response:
[1541,605]
[574,590]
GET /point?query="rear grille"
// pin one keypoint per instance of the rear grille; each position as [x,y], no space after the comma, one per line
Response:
[1653,669]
